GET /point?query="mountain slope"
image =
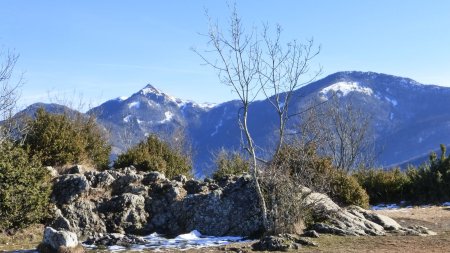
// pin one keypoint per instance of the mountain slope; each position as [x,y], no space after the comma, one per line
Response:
[409,119]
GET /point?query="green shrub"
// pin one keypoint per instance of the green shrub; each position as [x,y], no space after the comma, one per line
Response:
[428,183]
[346,190]
[155,155]
[60,139]
[230,163]
[24,188]
[384,186]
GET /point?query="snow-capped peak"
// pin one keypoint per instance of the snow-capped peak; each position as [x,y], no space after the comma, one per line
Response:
[150,89]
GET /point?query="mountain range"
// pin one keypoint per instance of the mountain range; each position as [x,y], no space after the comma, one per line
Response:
[409,119]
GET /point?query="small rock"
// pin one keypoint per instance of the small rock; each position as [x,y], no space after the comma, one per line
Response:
[56,239]
[311,233]
[152,177]
[77,169]
[180,178]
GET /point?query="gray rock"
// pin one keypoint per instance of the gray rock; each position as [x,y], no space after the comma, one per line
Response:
[84,218]
[153,177]
[56,239]
[311,233]
[68,188]
[282,242]
[77,169]
[125,213]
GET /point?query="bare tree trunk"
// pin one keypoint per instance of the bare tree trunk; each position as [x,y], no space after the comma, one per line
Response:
[254,169]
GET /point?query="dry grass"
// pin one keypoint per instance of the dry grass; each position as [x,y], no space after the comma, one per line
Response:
[27,238]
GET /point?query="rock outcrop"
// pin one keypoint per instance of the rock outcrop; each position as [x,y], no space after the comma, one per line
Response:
[353,220]
[125,201]
[95,204]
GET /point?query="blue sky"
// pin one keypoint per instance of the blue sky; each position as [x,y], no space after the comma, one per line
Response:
[104,49]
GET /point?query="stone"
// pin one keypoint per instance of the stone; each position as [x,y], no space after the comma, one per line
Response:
[311,233]
[153,177]
[282,242]
[77,169]
[56,239]
[125,213]
[68,188]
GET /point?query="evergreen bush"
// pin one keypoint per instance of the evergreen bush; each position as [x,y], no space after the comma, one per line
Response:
[384,186]
[230,163]
[155,155]
[25,188]
[63,139]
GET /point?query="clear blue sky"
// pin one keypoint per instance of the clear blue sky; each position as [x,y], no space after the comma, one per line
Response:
[105,49]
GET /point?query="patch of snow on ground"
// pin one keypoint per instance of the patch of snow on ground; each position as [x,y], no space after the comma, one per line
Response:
[344,88]
[446,204]
[135,104]
[168,116]
[385,207]
[192,240]
[392,101]
[127,119]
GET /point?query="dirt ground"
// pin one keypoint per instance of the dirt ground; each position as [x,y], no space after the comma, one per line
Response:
[435,218]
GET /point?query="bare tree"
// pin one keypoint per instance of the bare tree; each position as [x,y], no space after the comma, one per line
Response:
[282,70]
[342,131]
[251,66]
[9,93]
[236,63]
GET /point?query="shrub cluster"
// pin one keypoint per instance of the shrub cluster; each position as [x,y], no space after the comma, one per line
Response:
[428,183]
[63,139]
[25,188]
[230,163]
[319,174]
[155,155]
[384,186]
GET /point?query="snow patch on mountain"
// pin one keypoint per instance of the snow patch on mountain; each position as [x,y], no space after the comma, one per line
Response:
[127,118]
[392,101]
[344,88]
[122,98]
[168,115]
[216,130]
[206,105]
[135,104]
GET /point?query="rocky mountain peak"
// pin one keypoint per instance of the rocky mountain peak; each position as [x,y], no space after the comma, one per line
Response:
[150,89]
